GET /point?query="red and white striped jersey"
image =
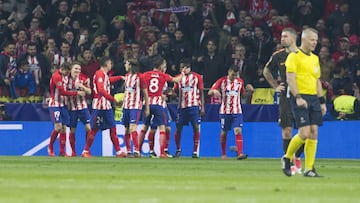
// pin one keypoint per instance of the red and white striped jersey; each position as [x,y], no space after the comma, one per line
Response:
[230,94]
[189,87]
[77,102]
[60,59]
[102,98]
[155,82]
[58,90]
[133,85]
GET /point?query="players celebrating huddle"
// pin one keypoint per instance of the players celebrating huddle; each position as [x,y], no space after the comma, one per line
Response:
[144,94]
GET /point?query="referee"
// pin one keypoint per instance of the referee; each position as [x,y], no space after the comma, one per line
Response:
[307,103]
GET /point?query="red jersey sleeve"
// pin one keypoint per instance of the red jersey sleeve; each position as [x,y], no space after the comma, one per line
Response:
[143,84]
[100,88]
[217,84]
[115,78]
[201,82]
[58,81]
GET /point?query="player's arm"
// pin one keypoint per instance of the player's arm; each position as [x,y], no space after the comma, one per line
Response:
[214,90]
[114,79]
[61,87]
[85,87]
[176,78]
[102,91]
[146,98]
[319,92]
[291,80]
[270,79]
[201,92]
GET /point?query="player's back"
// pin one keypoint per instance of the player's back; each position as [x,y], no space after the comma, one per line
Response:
[155,82]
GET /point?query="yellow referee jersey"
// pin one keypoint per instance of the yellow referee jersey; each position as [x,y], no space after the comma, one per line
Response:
[307,70]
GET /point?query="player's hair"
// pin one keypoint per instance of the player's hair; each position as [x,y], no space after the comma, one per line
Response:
[66,65]
[134,65]
[157,61]
[75,63]
[104,60]
[185,62]
[307,31]
[290,30]
[234,68]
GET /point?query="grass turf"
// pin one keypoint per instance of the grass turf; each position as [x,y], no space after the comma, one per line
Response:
[109,179]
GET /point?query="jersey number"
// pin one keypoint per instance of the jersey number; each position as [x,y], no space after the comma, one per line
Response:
[154,85]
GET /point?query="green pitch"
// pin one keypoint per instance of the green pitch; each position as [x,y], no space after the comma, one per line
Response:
[143,180]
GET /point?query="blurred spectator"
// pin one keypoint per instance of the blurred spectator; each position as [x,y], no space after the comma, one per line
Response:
[180,49]
[164,50]
[321,28]
[246,65]
[346,106]
[63,56]
[210,64]
[240,22]
[326,64]
[81,12]
[263,45]
[22,42]
[337,19]
[23,84]
[201,38]
[3,115]
[89,64]
[39,67]
[348,32]
[305,14]
[259,10]
[342,50]
[7,68]
[145,61]
[342,77]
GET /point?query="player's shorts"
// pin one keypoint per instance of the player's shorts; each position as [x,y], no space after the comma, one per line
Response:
[286,116]
[231,120]
[130,116]
[158,115]
[59,115]
[83,115]
[150,122]
[307,116]
[102,119]
[189,114]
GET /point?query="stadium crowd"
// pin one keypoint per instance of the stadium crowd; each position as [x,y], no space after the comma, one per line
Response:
[38,36]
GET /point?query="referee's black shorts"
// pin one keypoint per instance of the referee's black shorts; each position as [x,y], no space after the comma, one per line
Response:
[307,116]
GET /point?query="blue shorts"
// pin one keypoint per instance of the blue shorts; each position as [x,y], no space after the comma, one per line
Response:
[102,119]
[130,116]
[157,116]
[82,115]
[59,115]
[228,120]
[189,114]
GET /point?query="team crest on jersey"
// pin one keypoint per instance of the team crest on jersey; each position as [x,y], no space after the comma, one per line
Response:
[100,80]
[59,83]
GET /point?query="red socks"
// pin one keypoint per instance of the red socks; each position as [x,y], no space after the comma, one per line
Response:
[135,139]
[223,144]
[151,140]
[114,139]
[239,143]
[196,140]
[72,142]
[62,142]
